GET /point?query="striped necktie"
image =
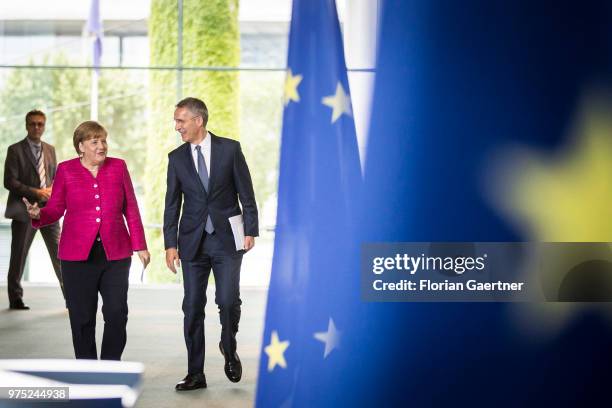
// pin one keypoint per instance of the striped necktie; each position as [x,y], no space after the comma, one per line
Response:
[40,165]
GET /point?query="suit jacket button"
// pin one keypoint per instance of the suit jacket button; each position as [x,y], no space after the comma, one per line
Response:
[97,220]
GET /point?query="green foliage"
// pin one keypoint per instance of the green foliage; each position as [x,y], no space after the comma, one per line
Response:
[210,38]
[64,95]
[122,111]
[54,92]
[161,137]
[261,101]
[140,123]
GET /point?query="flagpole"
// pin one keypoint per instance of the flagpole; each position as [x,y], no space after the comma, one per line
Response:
[94,27]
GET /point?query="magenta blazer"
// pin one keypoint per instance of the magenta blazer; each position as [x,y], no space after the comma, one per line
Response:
[94,206]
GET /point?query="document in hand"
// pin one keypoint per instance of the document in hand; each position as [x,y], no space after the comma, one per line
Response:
[237,224]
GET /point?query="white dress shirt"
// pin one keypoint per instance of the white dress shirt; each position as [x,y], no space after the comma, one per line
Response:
[35,148]
[205,151]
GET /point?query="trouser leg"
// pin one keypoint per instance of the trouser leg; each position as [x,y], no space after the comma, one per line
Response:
[51,236]
[22,235]
[195,282]
[81,285]
[226,269]
[114,284]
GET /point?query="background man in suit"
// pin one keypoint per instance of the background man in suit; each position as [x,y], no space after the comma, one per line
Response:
[208,174]
[29,171]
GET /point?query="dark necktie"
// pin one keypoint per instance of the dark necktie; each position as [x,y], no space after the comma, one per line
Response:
[203,173]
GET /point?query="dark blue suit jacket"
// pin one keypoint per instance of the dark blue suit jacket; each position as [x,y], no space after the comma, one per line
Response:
[230,180]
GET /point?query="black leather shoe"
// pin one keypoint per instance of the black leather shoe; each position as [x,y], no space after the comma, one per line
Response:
[233,366]
[18,305]
[191,382]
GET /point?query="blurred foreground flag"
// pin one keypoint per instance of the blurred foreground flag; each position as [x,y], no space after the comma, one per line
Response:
[93,27]
[319,181]
[461,86]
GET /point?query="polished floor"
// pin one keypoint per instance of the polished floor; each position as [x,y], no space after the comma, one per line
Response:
[155,338]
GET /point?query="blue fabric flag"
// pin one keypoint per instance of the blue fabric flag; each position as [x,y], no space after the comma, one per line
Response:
[94,28]
[459,84]
[319,182]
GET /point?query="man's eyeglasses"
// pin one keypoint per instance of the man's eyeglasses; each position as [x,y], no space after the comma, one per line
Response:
[181,122]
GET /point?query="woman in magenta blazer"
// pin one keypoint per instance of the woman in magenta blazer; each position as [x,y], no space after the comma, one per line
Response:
[94,193]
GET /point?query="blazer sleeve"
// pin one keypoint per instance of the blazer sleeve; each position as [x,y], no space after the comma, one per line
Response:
[56,206]
[53,164]
[172,206]
[11,177]
[246,195]
[131,212]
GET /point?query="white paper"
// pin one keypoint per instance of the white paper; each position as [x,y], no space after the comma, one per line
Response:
[237,224]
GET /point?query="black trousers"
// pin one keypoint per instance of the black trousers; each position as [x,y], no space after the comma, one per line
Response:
[22,235]
[83,280]
[226,270]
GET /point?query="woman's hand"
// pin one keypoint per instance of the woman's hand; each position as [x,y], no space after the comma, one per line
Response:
[145,257]
[33,210]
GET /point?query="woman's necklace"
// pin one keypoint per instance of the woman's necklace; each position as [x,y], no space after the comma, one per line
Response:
[92,169]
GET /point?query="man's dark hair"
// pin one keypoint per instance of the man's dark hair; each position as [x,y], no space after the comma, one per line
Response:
[196,106]
[35,112]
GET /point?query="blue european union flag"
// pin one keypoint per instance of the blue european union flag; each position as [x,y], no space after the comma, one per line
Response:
[319,183]
[94,28]
[458,86]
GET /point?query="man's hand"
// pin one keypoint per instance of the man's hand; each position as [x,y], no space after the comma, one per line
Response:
[145,257]
[43,194]
[172,259]
[249,242]
[33,210]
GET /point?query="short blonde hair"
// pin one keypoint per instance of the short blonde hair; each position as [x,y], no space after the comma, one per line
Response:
[87,130]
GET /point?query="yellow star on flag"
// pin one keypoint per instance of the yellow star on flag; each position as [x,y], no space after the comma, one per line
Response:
[567,198]
[331,338]
[291,85]
[275,351]
[563,197]
[340,103]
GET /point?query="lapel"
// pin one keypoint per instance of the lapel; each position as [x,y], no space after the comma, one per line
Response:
[191,168]
[216,150]
[25,146]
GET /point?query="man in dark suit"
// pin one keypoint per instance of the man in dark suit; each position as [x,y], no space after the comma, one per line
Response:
[208,175]
[29,171]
